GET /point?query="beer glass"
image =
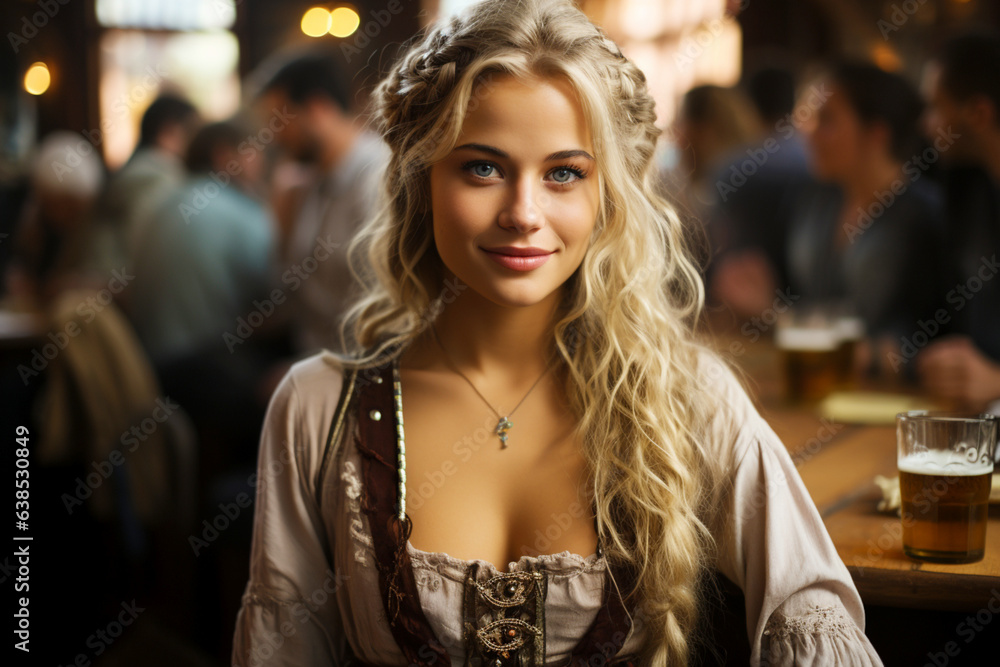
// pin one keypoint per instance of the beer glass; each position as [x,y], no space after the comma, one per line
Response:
[945,465]
[852,331]
[812,361]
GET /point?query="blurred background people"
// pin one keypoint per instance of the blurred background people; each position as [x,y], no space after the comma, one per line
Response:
[203,260]
[756,196]
[324,131]
[126,95]
[51,238]
[204,254]
[154,170]
[713,125]
[204,249]
[964,91]
[870,235]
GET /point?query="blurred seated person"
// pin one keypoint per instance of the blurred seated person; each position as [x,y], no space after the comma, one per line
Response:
[154,170]
[869,237]
[755,198]
[714,125]
[964,91]
[202,262]
[50,238]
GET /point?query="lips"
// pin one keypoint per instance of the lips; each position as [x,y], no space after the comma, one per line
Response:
[518,259]
[517,251]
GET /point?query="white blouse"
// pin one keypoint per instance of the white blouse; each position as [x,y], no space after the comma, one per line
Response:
[313,595]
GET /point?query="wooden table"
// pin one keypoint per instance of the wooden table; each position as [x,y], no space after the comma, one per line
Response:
[838,464]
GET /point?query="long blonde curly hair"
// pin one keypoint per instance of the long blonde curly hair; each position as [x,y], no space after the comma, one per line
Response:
[625,326]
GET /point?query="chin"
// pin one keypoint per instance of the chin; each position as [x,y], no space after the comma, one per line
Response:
[521,296]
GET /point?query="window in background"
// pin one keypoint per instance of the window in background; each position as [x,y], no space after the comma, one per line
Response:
[153,46]
[677,45]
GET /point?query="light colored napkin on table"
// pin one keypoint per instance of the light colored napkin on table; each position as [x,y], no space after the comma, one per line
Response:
[868,407]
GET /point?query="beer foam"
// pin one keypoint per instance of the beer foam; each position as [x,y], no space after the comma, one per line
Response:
[851,328]
[944,462]
[807,339]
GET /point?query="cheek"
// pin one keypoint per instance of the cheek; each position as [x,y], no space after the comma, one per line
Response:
[574,219]
[459,215]
[447,211]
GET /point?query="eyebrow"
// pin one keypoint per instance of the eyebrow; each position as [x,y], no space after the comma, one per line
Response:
[558,155]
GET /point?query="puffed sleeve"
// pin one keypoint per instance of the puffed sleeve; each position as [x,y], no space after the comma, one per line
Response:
[289,614]
[802,606]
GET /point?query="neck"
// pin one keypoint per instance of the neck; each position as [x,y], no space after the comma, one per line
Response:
[491,344]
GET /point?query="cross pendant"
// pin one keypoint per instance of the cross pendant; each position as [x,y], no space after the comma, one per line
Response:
[502,427]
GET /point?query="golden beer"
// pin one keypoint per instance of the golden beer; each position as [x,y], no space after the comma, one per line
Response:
[851,331]
[944,515]
[812,362]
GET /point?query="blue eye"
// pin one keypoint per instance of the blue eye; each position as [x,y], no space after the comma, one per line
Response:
[480,169]
[565,175]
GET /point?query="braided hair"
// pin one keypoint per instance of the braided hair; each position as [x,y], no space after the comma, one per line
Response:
[625,327]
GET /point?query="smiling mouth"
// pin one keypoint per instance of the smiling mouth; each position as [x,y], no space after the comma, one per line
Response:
[518,252]
[519,262]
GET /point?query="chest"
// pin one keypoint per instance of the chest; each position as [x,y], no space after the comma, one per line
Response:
[489,606]
[469,497]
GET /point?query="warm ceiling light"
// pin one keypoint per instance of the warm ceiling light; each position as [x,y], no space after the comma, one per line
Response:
[316,22]
[886,58]
[344,22]
[37,79]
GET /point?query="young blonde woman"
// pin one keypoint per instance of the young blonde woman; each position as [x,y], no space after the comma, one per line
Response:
[531,462]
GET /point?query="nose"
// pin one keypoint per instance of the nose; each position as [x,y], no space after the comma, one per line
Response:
[523,209]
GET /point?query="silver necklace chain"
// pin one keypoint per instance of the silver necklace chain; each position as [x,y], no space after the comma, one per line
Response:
[504,423]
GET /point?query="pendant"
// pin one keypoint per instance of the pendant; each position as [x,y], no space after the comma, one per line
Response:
[502,427]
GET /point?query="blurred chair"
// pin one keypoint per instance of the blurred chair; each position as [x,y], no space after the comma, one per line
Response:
[100,387]
[101,396]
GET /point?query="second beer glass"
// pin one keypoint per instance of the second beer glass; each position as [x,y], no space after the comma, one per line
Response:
[945,465]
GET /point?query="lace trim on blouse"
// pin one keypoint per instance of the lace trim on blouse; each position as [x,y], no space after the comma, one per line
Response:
[830,621]
[564,562]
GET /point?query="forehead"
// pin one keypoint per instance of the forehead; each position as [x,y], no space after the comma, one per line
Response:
[526,111]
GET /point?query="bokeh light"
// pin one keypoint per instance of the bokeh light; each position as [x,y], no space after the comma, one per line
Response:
[316,22]
[344,22]
[37,79]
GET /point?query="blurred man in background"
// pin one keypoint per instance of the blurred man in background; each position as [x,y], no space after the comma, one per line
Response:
[203,255]
[154,170]
[323,131]
[964,91]
[868,237]
[201,261]
[756,198]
